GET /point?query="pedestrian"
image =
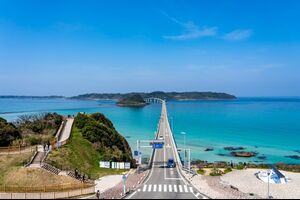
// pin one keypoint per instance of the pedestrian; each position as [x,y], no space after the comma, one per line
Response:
[98,194]
[76,174]
[83,178]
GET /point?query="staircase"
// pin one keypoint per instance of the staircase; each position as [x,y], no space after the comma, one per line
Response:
[51,168]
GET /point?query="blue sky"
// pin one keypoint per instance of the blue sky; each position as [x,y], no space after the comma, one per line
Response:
[246,48]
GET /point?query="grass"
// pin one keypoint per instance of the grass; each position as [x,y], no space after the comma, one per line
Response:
[15,177]
[10,163]
[80,154]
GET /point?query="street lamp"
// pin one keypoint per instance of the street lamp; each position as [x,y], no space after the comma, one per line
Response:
[184,134]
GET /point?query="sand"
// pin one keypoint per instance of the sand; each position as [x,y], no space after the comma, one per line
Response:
[246,182]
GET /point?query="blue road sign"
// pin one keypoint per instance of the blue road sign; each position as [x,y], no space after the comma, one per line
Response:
[136,153]
[157,145]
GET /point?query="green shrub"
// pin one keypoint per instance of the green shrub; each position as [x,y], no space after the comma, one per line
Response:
[215,172]
[227,170]
[201,171]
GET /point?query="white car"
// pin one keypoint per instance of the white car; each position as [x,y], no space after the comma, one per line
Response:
[161,137]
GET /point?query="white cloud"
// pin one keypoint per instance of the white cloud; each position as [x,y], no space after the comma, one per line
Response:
[238,35]
[191,30]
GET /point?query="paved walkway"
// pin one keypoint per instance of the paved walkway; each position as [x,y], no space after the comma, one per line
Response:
[107,182]
[67,130]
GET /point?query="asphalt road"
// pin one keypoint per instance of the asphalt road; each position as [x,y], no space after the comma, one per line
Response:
[163,182]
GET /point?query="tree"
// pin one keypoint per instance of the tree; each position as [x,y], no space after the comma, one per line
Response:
[8,133]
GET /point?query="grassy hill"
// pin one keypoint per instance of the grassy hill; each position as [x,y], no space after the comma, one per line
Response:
[93,139]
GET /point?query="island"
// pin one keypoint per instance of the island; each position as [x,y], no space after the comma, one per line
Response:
[169,96]
[135,100]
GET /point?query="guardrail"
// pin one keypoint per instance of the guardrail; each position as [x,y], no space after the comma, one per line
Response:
[15,149]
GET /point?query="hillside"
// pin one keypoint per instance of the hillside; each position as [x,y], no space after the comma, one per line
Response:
[93,139]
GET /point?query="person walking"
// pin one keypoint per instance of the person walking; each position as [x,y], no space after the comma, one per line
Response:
[98,194]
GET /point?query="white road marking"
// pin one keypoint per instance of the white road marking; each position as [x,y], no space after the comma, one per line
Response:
[145,187]
[186,188]
[170,188]
[180,188]
[159,188]
[149,188]
[139,190]
[191,189]
[165,188]
[154,188]
[175,188]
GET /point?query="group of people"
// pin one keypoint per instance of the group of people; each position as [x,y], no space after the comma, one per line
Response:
[47,147]
[79,176]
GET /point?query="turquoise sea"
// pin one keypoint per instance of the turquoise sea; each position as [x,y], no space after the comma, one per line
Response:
[268,126]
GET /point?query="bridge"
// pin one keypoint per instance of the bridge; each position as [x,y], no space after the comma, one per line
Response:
[163,182]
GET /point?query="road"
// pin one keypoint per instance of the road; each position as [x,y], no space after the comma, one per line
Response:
[163,182]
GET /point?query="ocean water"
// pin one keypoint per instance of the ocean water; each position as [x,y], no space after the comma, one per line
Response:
[268,126]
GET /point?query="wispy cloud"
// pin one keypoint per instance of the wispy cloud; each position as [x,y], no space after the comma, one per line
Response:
[238,35]
[195,34]
[191,30]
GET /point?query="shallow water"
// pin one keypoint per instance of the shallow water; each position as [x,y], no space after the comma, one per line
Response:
[268,126]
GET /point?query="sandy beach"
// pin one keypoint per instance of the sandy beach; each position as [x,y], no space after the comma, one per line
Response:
[243,184]
[246,182]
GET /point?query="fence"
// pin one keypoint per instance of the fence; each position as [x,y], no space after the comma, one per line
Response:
[114,165]
[49,195]
[48,188]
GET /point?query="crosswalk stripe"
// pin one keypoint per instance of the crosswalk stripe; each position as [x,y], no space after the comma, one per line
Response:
[159,188]
[149,188]
[175,188]
[165,188]
[170,188]
[185,188]
[180,188]
[145,187]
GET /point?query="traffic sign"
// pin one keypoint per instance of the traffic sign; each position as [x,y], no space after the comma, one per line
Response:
[136,153]
[157,145]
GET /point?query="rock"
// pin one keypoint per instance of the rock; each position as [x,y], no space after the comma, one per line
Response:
[262,157]
[234,148]
[209,149]
[297,151]
[243,154]
[221,154]
[295,157]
